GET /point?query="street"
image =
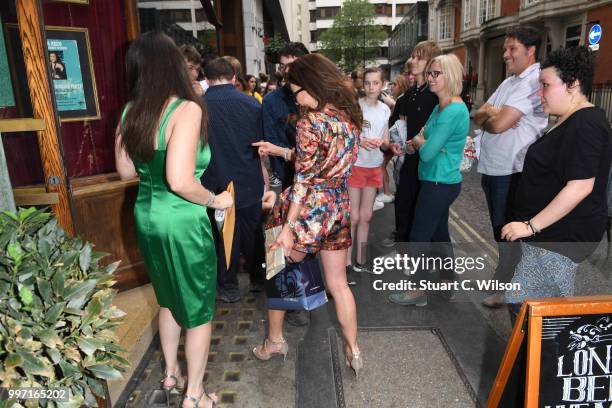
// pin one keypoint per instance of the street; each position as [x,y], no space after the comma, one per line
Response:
[452,348]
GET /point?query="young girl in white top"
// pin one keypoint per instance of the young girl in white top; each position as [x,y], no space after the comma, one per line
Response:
[366,176]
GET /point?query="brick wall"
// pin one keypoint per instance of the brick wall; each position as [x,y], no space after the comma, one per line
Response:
[604,55]
[509,7]
[458,23]
[460,53]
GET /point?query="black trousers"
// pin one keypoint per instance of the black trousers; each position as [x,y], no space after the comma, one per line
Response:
[406,197]
[500,193]
[248,241]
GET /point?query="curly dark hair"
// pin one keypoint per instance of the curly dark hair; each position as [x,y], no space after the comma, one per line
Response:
[293,49]
[571,64]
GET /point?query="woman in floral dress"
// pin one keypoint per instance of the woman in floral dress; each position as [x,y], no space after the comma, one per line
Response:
[315,211]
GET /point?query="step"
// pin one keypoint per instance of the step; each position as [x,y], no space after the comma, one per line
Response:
[137,331]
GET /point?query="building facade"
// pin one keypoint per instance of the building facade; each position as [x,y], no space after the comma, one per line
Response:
[411,29]
[474,30]
[388,14]
[240,29]
[297,16]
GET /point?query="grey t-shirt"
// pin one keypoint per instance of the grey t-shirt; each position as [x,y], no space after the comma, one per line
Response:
[502,154]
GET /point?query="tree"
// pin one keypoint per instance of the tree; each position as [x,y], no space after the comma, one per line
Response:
[353,39]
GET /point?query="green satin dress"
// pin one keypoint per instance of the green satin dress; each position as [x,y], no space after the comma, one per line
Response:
[175,238]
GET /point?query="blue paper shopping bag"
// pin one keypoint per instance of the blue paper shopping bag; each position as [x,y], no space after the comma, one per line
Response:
[297,287]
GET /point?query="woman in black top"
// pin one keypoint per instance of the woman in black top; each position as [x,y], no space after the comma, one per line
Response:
[561,209]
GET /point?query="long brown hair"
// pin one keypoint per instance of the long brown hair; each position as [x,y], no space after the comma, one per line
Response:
[325,83]
[156,71]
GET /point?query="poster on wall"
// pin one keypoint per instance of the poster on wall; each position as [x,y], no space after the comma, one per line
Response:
[7,98]
[70,63]
[71,1]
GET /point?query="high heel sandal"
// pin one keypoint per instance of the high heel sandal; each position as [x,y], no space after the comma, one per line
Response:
[354,361]
[264,353]
[175,388]
[212,397]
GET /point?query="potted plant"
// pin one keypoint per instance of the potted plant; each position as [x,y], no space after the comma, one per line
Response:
[57,320]
[272,46]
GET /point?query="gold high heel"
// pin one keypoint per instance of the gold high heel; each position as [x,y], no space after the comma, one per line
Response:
[212,397]
[263,352]
[175,388]
[355,362]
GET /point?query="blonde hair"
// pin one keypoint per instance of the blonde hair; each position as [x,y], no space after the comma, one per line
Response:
[452,70]
[426,50]
[401,82]
[236,65]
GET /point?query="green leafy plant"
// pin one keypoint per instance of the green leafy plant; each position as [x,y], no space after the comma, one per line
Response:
[272,47]
[57,320]
[354,39]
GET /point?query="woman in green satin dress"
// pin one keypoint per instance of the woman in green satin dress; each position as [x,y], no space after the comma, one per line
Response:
[161,139]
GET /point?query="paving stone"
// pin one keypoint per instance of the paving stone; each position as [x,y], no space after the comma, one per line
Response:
[238,378]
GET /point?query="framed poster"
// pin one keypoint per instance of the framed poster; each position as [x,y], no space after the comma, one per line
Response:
[17,69]
[70,1]
[6,87]
[74,82]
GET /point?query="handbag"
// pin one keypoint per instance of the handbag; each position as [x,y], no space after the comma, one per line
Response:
[299,286]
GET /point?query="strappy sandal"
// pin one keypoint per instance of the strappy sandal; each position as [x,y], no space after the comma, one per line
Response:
[212,397]
[269,348]
[172,389]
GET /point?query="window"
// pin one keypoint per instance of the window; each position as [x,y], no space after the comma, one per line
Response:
[313,36]
[328,12]
[573,35]
[402,9]
[313,16]
[446,22]
[466,13]
[177,15]
[486,10]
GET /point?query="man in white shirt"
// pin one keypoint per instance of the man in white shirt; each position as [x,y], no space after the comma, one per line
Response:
[511,120]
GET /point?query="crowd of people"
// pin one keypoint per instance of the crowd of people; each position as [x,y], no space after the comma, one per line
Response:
[325,138]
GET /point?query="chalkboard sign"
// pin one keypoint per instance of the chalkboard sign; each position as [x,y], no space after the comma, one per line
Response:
[569,353]
[576,361]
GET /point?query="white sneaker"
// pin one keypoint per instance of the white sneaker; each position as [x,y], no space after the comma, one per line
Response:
[377,205]
[385,198]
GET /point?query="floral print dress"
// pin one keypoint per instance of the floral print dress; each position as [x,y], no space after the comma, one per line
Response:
[326,149]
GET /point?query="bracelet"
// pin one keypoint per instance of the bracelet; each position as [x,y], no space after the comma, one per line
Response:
[529,227]
[291,224]
[211,199]
[534,229]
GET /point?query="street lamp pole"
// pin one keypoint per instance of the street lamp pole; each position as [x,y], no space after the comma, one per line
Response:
[364,44]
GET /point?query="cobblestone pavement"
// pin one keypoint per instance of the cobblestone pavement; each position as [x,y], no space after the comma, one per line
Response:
[242,381]
[238,378]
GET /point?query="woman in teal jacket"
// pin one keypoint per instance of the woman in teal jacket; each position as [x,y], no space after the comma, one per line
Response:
[440,144]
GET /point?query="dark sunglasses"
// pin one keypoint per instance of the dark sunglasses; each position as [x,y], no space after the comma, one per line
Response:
[434,74]
[295,94]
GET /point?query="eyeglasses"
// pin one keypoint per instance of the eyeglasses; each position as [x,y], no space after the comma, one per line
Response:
[295,94]
[434,74]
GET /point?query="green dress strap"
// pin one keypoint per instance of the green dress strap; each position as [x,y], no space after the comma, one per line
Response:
[161,140]
[126,108]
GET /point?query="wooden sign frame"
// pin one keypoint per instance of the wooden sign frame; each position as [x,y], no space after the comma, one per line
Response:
[529,324]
